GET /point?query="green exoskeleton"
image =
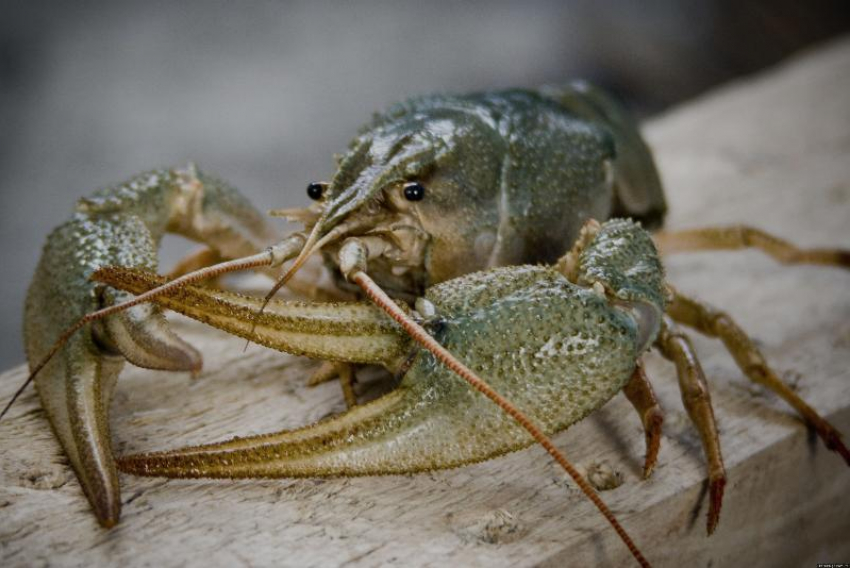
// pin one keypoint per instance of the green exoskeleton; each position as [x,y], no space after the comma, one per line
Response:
[431,199]
[444,186]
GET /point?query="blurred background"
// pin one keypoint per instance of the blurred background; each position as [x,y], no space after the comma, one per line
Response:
[263,93]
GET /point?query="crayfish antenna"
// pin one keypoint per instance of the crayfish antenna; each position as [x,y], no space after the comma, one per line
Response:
[306,251]
[313,244]
[418,334]
[15,396]
[266,258]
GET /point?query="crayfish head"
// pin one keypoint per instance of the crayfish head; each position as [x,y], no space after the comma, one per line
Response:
[413,187]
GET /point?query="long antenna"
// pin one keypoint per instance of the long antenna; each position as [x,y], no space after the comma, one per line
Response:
[377,295]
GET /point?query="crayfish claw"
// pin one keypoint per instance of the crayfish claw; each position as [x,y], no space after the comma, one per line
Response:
[73,363]
[75,390]
[345,445]
[142,336]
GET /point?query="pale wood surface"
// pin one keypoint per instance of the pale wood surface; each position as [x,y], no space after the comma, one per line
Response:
[771,151]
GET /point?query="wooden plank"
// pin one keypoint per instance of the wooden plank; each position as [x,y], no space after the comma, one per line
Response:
[769,151]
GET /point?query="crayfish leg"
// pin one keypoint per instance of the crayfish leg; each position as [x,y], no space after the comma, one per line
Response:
[677,347]
[736,237]
[327,371]
[716,323]
[639,392]
[330,370]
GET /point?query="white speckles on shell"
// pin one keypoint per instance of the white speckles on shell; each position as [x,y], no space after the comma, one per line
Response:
[499,323]
[572,345]
[554,349]
[623,258]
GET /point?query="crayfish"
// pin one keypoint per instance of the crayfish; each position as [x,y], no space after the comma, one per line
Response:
[467,221]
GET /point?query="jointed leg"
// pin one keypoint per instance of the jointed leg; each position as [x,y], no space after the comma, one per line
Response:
[639,392]
[346,380]
[739,237]
[326,372]
[196,260]
[330,370]
[676,347]
[120,225]
[716,323]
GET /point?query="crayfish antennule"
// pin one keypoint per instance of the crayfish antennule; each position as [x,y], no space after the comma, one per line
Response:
[303,215]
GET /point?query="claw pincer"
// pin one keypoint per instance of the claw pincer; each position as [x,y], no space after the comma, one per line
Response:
[120,225]
[556,349]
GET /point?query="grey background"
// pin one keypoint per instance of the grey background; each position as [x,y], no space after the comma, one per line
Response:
[263,93]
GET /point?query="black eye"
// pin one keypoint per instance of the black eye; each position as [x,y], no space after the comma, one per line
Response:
[414,191]
[315,190]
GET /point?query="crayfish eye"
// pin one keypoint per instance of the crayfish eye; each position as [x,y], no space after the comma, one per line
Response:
[315,190]
[414,191]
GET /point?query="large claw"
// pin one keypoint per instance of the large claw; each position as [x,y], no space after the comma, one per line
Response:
[75,386]
[352,332]
[577,353]
[579,347]
[120,225]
